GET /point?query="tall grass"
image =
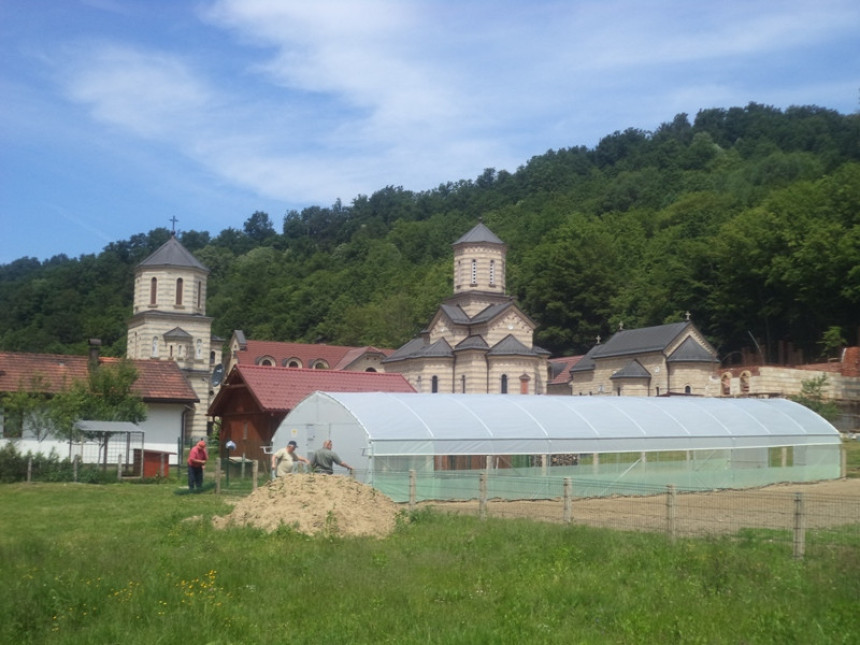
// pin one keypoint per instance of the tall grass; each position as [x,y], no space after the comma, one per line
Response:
[139,564]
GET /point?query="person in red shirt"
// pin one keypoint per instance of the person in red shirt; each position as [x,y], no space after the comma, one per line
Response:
[196,460]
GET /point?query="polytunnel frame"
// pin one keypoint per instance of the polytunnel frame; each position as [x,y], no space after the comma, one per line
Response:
[727,442]
[779,423]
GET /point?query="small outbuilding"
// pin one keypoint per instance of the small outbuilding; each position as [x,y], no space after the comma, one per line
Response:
[533,442]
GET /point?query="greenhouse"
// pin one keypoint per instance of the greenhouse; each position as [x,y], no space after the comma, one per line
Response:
[529,444]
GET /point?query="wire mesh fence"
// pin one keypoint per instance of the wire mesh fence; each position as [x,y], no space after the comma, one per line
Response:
[783,514]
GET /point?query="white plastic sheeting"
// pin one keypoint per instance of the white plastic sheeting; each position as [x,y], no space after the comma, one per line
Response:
[395,424]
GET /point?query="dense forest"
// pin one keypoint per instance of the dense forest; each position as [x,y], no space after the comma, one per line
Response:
[749,218]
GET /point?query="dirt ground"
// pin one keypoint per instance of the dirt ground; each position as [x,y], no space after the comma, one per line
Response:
[313,504]
[825,505]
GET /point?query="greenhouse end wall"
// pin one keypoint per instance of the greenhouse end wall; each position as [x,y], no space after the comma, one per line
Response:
[609,474]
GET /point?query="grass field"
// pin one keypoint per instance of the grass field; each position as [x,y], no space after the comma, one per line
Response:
[130,563]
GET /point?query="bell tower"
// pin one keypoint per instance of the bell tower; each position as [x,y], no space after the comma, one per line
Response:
[169,321]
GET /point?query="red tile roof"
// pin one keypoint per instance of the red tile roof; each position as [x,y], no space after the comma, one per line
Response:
[157,381]
[338,357]
[279,389]
[563,364]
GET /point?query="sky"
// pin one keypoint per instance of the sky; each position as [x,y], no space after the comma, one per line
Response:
[118,115]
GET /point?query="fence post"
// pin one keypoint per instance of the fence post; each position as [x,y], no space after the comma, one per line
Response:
[482,500]
[29,470]
[412,495]
[670,511]
[255,470]
[217,476]
[843,467]
[119,468]
[799,527]
[75,468]
[568,510]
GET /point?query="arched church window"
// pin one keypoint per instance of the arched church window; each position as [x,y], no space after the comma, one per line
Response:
[153,291]
[474,272]
[463,383]
[492,273]
[199,294]
[727,384]
[178,291]
[504,384]
[688,389]
[434,384]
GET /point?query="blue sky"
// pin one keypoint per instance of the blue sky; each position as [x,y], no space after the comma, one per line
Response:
[117,115]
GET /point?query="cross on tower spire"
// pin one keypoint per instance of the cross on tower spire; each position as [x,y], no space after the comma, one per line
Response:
[173,220]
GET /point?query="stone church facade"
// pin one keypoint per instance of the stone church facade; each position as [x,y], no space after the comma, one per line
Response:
[479,340]
[169,322]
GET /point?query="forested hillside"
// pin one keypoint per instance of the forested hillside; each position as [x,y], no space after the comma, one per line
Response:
[749,218]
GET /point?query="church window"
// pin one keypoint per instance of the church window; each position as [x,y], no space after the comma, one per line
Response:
[474,272]
[199,352]
[293,362]
[178,291]
[153,291]
[688,389]
[211,358]
[199,294]
[492,273]
[267,362]
[463,384]
[320,365]
[155,344]
[170,351]
[504,383]
[370,369]
[459,272]
[434,384]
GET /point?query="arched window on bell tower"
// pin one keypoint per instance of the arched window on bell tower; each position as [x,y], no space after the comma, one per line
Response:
[153,291]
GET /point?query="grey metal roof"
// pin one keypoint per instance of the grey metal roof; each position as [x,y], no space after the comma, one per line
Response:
[586,363]
[172,253]
[177,333]
[490,312]
[691,352]
[108,426]
[471,342]
[638,341]
[479,234]
[420,348]
[633,369]
[409,350]
[439,349]
[456,314]
[510,346]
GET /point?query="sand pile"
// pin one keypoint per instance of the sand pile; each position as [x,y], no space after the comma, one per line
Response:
[311,504]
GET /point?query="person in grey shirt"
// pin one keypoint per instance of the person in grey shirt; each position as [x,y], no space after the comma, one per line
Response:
[323,460]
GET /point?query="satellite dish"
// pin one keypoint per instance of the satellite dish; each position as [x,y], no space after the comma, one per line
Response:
[217,375]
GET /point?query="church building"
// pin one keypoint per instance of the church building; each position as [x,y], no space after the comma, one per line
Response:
[169,322]
[479,341]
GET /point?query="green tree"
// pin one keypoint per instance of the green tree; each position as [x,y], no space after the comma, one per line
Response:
[106,395]
[812,396]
